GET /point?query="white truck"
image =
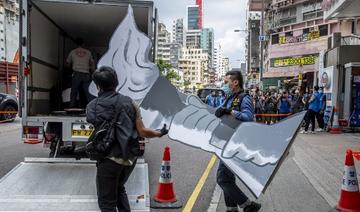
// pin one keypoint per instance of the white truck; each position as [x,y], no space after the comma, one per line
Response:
[48,29]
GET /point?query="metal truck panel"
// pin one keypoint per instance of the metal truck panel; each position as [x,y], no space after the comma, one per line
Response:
[60,184]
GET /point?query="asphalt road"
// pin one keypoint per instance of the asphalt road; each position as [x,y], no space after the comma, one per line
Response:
[291,190]
[187,163]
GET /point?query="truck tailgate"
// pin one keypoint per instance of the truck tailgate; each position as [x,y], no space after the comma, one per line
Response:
[61,184]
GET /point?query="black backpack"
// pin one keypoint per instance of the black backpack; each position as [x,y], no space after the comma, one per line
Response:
[102,138]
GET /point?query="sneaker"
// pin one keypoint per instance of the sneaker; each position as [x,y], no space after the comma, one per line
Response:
[319,130]
[312,132]
[253,207]
[304,132]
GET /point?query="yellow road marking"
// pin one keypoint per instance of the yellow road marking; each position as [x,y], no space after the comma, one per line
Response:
[190,203]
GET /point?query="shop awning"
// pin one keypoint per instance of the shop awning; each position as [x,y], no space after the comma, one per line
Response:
[341,9]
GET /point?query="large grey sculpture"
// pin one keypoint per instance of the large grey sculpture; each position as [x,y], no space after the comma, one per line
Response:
[252,151]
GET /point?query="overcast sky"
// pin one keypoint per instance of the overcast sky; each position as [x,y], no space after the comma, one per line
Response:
[222,15]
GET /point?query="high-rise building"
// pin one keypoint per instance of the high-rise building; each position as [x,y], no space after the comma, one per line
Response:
[218,60]
[9,30]
[207,42]
[175,53]
[200,13]
[178,32]
[193,17]
[226,66]
[193,39]
[163,50]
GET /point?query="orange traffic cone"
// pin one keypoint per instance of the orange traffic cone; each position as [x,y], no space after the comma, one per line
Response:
[165,196]
[349,196]
[335,129]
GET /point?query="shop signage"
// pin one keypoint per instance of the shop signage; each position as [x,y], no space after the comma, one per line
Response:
[293,61]
[301,38]
[356,79]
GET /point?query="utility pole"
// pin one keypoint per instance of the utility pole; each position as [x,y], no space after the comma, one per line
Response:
[262,44]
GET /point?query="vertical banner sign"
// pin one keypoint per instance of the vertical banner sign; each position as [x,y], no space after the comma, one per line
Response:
[327,116]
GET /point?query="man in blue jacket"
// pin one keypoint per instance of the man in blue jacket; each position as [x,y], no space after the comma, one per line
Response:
[313,111]
[239,105]
[320,114]
[211,99]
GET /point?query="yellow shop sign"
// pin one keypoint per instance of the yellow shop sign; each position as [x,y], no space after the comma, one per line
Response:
[293,61]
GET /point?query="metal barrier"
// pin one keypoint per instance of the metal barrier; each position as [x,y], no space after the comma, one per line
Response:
[270,118]
[8,112]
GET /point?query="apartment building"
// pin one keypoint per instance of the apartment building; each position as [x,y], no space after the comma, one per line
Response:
[179,32]
[194,63]
[163,39]
[9,29]
[297,33]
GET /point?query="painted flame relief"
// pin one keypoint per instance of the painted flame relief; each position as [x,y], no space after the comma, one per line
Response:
[251,150]
[128,54]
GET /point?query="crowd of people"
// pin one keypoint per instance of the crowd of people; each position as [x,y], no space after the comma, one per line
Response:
[273,105]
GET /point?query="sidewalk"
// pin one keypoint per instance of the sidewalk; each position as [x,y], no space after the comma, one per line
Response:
[10,126]
[310,178]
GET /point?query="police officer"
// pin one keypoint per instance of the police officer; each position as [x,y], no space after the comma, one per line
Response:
[115,169]
[238,105]
[220,99]
[211,99]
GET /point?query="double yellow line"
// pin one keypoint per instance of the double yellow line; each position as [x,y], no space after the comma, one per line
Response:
[195,194]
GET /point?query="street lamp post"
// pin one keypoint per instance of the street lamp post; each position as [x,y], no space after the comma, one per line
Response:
[262,45]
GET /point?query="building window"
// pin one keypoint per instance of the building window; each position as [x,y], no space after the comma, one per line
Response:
[275,39]
[306,31]
[353,25]
[288,34]
[323,30]
[312,15]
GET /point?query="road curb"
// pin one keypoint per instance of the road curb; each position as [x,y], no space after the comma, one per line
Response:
[215,199]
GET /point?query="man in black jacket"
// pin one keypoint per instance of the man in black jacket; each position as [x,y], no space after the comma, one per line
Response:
[115,169]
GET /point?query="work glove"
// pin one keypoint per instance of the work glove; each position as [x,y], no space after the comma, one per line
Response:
[163,131]
[222,111]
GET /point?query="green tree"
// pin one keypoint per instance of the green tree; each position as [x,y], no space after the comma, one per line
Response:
[187,83]
[167,71]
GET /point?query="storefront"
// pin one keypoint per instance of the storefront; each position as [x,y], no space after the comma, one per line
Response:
[352,94]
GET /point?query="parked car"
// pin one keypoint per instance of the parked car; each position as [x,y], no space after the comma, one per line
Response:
[8,102]
[203,93]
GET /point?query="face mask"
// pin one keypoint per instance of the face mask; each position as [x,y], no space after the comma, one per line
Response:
[226,89]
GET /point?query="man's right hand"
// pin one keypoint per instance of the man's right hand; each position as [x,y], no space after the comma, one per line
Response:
[163,131]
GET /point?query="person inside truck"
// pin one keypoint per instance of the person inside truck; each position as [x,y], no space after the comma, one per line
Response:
[82,64]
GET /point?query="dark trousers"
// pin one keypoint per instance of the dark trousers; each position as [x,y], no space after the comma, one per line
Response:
[320,119]
[232,194]
[110,180]
[80,82]
[310,117]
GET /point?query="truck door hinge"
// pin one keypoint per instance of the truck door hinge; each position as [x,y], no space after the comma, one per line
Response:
[23,41]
